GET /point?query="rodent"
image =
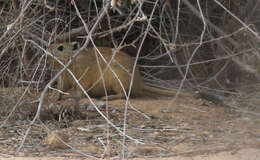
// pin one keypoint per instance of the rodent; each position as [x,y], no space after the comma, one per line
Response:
[88,67]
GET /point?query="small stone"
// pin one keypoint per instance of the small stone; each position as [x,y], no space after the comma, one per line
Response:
[57,139]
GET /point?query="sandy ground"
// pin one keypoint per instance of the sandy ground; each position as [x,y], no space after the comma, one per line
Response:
[244,154]
[186,128]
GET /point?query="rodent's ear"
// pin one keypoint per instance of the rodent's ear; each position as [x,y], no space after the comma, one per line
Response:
[60,48]
[75,45]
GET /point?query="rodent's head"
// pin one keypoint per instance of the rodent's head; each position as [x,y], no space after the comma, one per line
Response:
[64,50]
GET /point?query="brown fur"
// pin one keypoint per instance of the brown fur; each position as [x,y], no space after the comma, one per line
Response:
[96,76]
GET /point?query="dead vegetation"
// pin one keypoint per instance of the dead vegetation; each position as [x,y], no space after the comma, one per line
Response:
[209,47]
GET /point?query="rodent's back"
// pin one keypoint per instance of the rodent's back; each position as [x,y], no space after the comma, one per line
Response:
[115,66]
[63,51]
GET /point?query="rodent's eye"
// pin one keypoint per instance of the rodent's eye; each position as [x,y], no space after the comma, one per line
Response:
[60,48]
[75,46]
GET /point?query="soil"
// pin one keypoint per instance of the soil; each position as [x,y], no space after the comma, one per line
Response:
[181,128]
